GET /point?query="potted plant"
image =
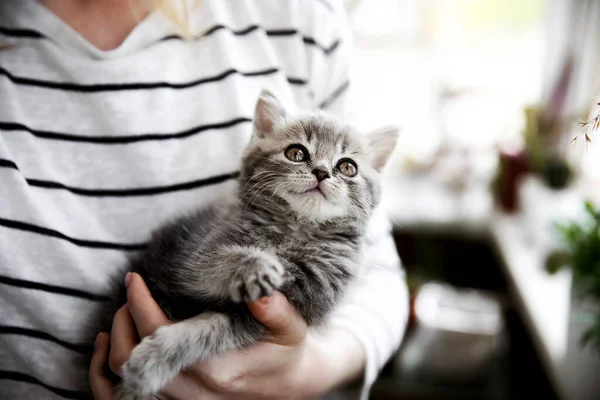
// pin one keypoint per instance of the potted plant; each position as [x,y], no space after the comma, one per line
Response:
[543,154]
[580,252]
[545,133]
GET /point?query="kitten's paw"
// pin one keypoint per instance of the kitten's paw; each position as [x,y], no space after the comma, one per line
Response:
[259,276]
[153,363]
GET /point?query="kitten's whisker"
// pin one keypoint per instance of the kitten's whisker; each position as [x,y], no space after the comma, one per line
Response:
[284,185]
[365,212]
[362,207]
[256,195]
[358,219]
[267,180]
[250,197]
[254,177]
[260,184]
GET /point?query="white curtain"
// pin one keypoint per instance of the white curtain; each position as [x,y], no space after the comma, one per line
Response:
[573,29]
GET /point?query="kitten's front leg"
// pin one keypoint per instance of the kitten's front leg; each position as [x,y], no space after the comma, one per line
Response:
[239,273]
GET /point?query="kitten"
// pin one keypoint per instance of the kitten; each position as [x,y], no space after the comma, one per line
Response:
[307,189]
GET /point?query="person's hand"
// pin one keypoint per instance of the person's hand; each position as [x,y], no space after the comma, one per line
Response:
[286,363]
[101,385]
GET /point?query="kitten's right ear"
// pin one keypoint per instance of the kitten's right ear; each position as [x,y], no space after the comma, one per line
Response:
[269,114]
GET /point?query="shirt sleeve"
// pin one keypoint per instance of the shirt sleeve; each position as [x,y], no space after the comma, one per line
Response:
[376,307]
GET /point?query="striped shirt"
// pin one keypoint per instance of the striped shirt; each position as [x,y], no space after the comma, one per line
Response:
[98,148]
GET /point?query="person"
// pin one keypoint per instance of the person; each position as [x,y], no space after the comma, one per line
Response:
[116,116]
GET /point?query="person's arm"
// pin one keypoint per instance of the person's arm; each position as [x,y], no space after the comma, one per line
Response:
[338,357]
[377,306]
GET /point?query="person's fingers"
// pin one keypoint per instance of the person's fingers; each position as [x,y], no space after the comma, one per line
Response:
[278,315]
[186,386]
[102,387]
[145,312]
[123,339]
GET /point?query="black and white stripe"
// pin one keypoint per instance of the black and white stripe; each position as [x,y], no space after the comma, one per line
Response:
[120,139]
[129,192]
[289,32]
[49,232]
[46,288]
[85,349]
[335,95]
[123,192]
[20,33]
[14,377]
[114,87]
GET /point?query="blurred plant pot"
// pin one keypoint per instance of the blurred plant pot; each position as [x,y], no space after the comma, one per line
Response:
[557,173]
[512,168]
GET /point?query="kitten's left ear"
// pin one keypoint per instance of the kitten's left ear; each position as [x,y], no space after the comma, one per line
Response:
[269,113]
[382,143]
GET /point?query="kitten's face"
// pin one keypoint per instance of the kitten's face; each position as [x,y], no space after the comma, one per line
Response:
[320,167]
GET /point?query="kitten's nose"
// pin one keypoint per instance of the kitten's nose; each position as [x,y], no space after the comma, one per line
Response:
[321,174]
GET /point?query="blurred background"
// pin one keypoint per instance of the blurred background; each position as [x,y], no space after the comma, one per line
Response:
[493,191]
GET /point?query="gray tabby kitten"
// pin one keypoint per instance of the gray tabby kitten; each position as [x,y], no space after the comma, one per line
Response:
[307,189]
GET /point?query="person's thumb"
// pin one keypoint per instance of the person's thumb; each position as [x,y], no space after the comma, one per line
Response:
[284,325]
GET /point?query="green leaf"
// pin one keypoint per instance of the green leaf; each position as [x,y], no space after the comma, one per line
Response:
[580,252]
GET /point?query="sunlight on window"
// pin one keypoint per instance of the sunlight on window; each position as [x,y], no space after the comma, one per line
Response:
[447,69]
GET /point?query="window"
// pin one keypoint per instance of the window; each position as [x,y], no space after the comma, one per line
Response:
[447,69]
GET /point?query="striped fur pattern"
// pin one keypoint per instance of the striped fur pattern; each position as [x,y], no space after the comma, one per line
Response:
[288,230]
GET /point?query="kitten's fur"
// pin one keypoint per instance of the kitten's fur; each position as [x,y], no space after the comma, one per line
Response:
[275,235]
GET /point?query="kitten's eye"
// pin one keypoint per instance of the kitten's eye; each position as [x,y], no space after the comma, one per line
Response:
[348,167]
[297,153]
